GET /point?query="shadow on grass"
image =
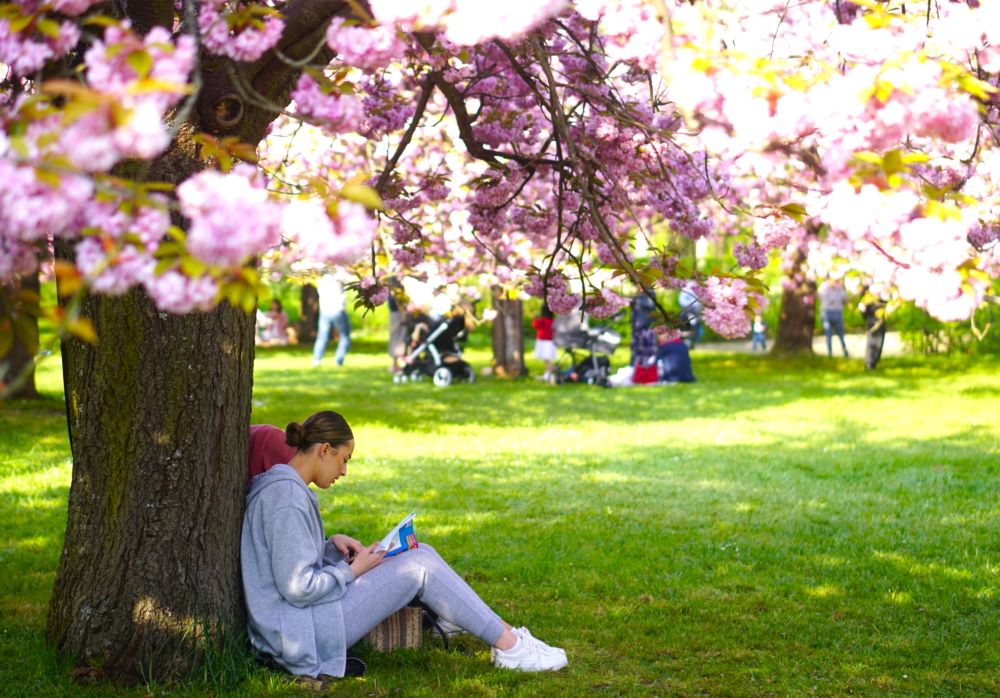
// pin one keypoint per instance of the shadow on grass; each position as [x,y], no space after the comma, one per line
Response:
[848,573]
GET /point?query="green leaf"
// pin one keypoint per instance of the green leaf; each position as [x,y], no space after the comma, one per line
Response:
[163,265]
[82,329]
[26,331]
[892,162]
[18,24]
[101,21]
[192,267]
[26,297]
[249,303]
[49,27]
[976,87]
[362,194]
[795,211]
[6,339]
[869,157]
[141,62]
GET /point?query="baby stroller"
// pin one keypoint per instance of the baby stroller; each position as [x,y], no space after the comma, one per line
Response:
[435,350]
[571,333]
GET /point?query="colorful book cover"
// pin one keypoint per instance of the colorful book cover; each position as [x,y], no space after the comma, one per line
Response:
[401,537]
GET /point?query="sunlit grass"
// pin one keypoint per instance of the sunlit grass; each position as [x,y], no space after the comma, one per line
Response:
[778,528]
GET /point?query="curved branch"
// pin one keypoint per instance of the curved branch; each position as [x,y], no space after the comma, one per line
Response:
[425,95]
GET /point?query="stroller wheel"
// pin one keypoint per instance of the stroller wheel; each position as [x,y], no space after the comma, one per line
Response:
[442,377]
[470,374]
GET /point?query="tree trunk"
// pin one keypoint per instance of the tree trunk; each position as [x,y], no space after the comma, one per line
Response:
[309,314]
[508,337]
[20,360]
[158,415]
[798,310]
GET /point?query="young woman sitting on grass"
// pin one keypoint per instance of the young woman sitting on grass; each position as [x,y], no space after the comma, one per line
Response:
[309,598]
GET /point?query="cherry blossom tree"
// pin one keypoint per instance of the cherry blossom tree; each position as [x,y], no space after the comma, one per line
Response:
[156,149]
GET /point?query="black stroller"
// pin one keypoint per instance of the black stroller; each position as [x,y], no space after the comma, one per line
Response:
[435,350]
[571,333]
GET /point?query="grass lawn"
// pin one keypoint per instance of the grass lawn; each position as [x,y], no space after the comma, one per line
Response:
[777,529]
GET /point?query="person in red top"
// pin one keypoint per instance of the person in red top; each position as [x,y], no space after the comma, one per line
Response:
[267,449]
[545,348]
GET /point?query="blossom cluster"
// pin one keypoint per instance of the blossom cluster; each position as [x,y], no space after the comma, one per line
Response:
[336,111]
[242,38]
[535,165]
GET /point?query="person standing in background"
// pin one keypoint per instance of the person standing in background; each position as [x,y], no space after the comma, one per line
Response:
[545,348]
[831,299]
[642,307]
[873,310]
[759,336]
[332,312]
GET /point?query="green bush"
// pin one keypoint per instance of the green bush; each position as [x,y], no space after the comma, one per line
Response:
[923,334]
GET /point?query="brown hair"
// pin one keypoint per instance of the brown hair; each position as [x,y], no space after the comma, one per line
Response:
[321,428]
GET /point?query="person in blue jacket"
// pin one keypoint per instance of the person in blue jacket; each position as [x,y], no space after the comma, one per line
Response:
[310,597]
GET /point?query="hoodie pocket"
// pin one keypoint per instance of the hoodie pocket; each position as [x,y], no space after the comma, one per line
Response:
[298,639]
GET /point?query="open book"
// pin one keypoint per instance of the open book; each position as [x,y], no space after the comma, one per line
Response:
[400,538]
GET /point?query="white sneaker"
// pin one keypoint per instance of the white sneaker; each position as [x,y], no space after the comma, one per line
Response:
[523,633]
[529,654]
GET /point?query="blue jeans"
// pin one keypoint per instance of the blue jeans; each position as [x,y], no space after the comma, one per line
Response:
[833,323]
[343,325]
[759,338]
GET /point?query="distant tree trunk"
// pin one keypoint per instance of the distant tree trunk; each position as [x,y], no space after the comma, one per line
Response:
[798,310]
[508,337]
[158,416]
[20,359]
[306,326]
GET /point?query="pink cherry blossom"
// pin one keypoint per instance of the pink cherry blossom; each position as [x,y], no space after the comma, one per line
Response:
[341,240]
[364,47]
[247,43]
[176,293]
[231,216]
[338,113]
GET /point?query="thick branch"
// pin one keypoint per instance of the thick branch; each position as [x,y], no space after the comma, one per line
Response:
[146,14]
[271,77]
[476,149]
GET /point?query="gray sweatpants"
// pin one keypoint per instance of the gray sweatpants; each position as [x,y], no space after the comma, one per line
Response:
[421,573]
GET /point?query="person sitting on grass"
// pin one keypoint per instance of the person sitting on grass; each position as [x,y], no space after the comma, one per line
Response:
[309,597]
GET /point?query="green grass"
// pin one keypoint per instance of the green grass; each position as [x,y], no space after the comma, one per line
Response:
[777,529]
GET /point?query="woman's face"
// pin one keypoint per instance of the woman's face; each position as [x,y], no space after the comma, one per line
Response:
[333,463]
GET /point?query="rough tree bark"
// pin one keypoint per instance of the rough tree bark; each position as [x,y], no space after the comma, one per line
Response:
[20,360]
[158,414]
[508,337]
[798,311]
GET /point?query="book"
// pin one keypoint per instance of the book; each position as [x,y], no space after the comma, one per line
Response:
[400,538]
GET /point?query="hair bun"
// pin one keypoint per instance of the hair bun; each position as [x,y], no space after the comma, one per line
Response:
[295,435]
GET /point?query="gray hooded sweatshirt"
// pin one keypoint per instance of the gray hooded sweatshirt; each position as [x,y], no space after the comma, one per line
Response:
[293,577]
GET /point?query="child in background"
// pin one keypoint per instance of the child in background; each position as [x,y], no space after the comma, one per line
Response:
[545,348]
[759,336]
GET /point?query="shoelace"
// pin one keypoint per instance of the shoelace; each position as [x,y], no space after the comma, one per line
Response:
[532,641]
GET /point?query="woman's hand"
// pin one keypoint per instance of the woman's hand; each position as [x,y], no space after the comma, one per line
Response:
[366,559]
[347,546]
